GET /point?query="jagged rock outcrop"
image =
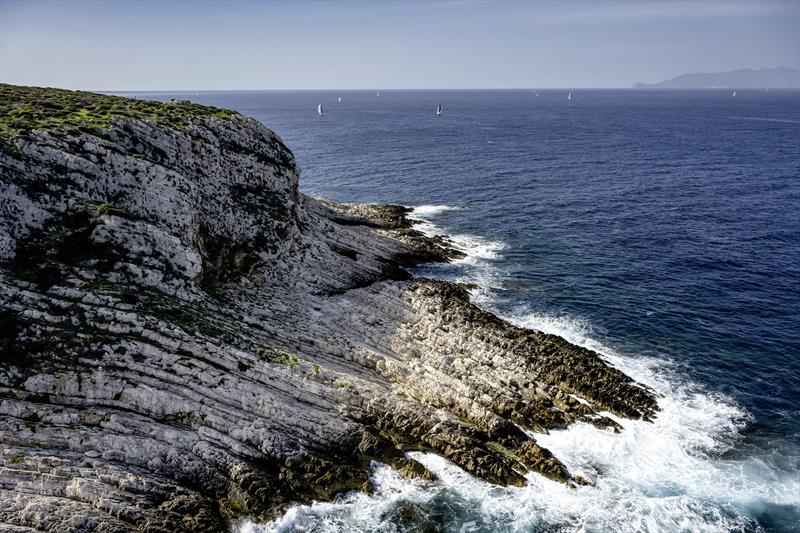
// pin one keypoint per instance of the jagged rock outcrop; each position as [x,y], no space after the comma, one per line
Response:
[186,339]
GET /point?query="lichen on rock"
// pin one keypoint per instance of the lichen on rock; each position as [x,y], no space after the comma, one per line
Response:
[185,339]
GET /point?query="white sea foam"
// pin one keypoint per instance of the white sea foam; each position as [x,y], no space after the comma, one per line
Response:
[474,246]
[668,475]
[421,211]
[477,267]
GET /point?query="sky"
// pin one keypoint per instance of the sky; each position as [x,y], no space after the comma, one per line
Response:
[452,44]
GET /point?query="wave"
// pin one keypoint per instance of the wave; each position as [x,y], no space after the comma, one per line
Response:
[765,119]
[421,211]
[668,475]
[478,267]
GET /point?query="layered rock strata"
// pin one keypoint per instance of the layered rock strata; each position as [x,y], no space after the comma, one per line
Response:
[186,339]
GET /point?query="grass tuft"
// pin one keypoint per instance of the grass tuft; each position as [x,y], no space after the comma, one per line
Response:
[106,209]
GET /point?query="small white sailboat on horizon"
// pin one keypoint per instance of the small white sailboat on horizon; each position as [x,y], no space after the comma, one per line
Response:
[734,93]
[320,110]
[569,96]
[340,99]
[438,110]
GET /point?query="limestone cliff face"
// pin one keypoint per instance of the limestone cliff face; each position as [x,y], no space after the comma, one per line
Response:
[185,339]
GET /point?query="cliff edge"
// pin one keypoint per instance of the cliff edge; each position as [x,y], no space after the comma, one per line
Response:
[185,339]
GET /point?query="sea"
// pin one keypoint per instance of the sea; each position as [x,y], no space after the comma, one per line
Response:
[660,228]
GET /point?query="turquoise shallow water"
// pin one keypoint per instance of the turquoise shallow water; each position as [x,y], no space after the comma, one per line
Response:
[660,228]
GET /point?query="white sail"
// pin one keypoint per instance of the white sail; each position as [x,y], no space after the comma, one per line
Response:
[569,97]
[734,93]
[320,110]
[439,109]
[340,99]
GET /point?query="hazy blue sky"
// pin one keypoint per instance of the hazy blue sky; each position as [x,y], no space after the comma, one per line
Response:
[148,44]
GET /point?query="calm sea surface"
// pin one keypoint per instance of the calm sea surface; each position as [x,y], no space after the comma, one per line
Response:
[660,228]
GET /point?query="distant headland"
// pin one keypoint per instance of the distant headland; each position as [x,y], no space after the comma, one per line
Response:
[766,78]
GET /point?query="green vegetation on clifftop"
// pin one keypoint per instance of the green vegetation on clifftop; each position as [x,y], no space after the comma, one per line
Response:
[24,109]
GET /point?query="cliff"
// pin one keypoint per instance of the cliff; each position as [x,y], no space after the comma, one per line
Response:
[767,78]
[185,339]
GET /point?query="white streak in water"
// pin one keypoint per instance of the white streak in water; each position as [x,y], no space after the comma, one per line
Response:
[765,119]
[424,211]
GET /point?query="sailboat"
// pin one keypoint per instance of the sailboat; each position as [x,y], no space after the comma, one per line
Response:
[439,109]
[320,110]
[734,93]
[569,96]
[340,99]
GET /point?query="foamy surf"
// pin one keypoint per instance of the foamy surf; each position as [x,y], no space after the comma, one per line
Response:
[668,475]
[422,211]
[478,266]
[474,247]
[660,476]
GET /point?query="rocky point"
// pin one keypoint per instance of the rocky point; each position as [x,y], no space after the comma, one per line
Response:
[186,339]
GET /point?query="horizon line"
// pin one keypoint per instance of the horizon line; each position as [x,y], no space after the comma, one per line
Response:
[412,89]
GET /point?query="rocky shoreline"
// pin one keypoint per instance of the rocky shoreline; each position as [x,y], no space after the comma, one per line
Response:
[186,339]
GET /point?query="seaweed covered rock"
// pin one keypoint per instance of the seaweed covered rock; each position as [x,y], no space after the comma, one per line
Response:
[185,339]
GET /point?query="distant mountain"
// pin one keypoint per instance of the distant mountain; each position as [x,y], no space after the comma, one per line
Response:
[766,78]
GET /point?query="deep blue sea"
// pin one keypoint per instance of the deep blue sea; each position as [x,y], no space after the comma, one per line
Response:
[660,228]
